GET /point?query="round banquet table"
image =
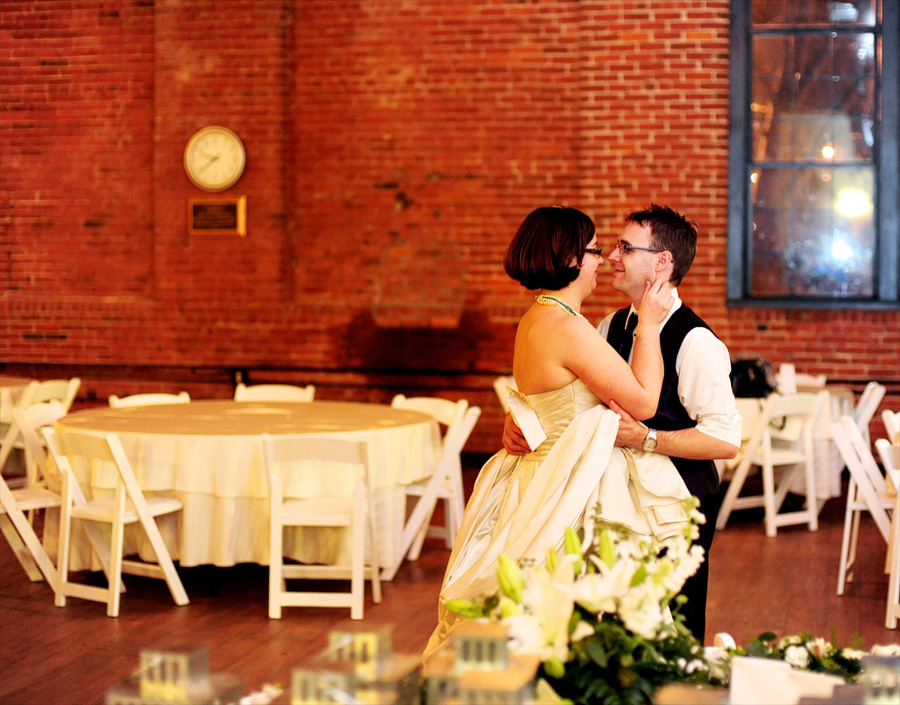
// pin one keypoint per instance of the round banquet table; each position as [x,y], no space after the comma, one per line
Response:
[208,454]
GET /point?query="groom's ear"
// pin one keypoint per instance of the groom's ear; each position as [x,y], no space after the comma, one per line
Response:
[665,264]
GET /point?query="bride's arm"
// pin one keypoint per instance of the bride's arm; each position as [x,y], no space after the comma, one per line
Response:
[646,358]
[636,388]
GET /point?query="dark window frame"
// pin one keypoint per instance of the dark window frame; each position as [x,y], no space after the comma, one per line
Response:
[886,294]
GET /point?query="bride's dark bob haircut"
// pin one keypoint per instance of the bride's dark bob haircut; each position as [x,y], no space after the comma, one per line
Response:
[544,246]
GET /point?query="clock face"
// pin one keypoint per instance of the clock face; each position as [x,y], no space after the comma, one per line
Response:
[214,158]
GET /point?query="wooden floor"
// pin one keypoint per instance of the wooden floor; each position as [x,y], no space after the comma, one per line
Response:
[58,656]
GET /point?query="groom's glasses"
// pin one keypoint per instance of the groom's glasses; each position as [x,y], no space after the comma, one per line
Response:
[624,248]
[594,250]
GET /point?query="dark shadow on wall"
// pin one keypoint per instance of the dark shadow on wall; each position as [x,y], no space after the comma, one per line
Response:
[458,349]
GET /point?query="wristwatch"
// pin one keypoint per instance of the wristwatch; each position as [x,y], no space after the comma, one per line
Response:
[649,443]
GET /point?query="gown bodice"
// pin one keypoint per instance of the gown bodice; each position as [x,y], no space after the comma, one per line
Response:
[556,409]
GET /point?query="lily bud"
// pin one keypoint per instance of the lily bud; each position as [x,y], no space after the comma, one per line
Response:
[606,549]
[554,668]
[552,559]
[509,608]
[466,608]
[573,547]
[510,577]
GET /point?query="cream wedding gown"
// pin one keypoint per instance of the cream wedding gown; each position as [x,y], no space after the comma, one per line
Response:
[521,505]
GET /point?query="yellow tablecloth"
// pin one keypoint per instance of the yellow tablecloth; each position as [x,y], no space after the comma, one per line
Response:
[208,455]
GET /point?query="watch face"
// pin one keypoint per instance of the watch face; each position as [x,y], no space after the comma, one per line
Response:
[214,158]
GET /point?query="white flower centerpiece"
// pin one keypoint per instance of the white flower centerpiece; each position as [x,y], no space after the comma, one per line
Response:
[600,619]
[601,623]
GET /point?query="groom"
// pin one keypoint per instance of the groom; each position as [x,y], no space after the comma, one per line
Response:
[696,421]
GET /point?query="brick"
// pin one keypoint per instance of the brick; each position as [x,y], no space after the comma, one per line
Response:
[433,129]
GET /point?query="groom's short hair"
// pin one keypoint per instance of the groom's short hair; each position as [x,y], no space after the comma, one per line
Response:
[547,241]
[672,231]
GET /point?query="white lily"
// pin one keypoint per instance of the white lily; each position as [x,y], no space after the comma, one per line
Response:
[601,591]
[643,611]
[547,600]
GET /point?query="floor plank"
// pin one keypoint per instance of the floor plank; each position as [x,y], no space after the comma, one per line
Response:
[62,656]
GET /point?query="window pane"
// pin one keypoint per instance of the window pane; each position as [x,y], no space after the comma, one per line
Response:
[813,232]
[813,98]
[813,212]
[815,12]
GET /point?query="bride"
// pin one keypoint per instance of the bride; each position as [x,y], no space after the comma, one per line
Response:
[566,374]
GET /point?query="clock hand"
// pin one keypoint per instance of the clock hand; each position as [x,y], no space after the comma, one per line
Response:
[208,164]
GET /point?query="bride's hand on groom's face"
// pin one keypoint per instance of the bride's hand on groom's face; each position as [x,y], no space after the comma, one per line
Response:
[657,300]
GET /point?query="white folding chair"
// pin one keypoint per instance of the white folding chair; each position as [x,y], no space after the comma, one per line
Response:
[127,506]
[14,503]
[810,383]
[354,512]
[891,420]
[60,390]
[786,378]
[789,381]
[781,437]
[502,385]
[28,422]
[886,454]
[866,407]
[892,470]
[445,482]
[149,399]
[274,392]
[866,492]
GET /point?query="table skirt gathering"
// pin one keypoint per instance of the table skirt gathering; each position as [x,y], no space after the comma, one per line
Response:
[208,454]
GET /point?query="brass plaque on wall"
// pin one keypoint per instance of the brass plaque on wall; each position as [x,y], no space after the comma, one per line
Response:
[218,216]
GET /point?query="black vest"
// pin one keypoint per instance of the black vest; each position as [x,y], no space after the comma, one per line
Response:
[700,476]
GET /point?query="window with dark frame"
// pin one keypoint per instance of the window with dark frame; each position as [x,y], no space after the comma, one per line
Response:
[813,190]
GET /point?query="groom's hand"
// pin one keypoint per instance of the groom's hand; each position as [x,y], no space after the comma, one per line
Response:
[631,432]
[513,440]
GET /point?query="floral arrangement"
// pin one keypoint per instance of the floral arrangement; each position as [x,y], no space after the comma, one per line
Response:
[807,653]
[600,620]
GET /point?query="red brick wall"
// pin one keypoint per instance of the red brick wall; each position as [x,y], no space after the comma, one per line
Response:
[393,146]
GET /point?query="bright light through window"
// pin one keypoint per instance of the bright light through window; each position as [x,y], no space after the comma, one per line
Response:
[840,250]
[853,203]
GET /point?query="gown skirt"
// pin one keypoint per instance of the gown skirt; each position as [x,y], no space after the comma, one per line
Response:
[521,505]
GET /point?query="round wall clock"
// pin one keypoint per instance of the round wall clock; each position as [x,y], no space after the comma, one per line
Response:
[214,158]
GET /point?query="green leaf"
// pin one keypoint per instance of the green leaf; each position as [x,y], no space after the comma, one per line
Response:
[639,576]
[574,620]
[595,651]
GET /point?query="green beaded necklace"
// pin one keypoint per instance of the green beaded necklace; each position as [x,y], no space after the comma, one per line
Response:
[547,300]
